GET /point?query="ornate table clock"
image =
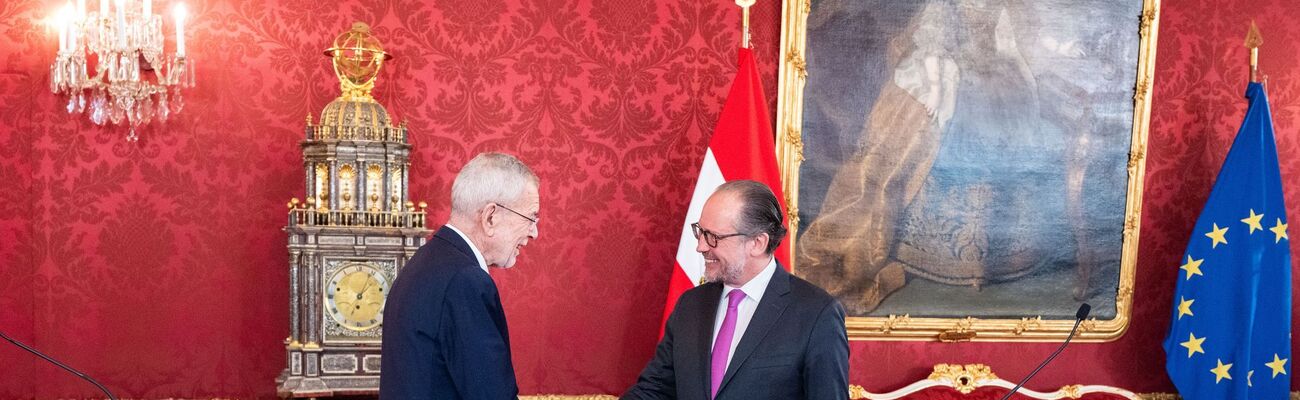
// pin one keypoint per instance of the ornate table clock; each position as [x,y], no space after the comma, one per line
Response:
[353,233]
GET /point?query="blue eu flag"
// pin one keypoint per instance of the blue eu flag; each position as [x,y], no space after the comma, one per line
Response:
[1231,332]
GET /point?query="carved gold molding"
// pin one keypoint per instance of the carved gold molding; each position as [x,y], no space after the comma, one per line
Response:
[1175,396]
[964,378]
[969,377]
[792,79]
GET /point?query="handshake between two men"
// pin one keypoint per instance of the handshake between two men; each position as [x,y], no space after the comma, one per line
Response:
[753,331]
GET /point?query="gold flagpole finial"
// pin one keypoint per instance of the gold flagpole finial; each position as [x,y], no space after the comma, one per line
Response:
[1253,41]
[744,7]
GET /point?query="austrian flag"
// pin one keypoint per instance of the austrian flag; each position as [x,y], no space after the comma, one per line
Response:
[742,147]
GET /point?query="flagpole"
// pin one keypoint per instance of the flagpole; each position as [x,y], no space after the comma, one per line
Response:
[744,9]
[1253,41]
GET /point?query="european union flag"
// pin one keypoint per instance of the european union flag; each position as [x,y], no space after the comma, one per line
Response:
[1231,331]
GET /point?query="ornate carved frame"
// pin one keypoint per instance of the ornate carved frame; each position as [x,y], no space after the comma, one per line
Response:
[793,77]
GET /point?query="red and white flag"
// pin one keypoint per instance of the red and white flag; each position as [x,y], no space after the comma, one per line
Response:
[742,147]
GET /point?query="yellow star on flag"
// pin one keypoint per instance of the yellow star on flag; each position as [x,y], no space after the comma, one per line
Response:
[1278,365]
[1216,236]
[1250,374]
[1184,307]
[1253,221]
[1279,230]
[1193,345]
[1193,267]
[1221,371]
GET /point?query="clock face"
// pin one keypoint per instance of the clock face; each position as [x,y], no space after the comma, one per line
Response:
[355,295]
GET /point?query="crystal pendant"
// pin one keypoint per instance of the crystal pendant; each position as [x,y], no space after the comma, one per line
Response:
[146,110]
[72,104]
[131,136]
[162,107]
[54,77]
[178,102]
[116,113]
[98,109]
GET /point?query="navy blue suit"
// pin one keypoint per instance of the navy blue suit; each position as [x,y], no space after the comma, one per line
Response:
[445,334]
[795,347]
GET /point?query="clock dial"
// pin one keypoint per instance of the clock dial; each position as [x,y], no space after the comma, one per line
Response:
[355,296]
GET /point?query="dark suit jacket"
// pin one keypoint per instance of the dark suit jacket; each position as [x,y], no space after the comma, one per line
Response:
[445,333]
[795,347]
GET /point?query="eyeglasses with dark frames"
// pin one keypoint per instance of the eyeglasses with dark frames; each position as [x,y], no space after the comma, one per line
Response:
[711,238]
[530,219]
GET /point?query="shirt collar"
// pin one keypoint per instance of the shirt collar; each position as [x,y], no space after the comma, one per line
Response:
[755,288]
[478,255]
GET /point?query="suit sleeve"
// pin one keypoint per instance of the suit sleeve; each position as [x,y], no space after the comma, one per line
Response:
[478,358]
[826,366]
[658,381]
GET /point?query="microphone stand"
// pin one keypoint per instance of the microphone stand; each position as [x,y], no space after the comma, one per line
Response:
[1079,316]
[60,365]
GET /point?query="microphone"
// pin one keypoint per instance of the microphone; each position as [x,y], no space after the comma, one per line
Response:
[60,365]
[1079,316]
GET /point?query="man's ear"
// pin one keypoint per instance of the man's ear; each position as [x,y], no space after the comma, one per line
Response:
[488,219]
[759,244]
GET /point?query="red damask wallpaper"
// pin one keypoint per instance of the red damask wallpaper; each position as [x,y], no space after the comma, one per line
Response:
[160,269]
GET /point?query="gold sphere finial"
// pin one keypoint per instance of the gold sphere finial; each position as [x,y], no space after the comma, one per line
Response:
[357,57]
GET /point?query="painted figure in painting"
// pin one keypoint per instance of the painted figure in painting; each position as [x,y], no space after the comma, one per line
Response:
[993,150]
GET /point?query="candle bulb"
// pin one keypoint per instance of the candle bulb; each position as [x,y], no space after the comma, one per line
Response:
[61,21]
[103,8]
[179,13]
[72,35]
[148,9]
[70,26]
[121,23]
[81,9]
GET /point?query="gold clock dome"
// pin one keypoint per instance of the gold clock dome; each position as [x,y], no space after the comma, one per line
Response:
[357,114]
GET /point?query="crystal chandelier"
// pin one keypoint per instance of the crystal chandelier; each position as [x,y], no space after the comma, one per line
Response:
[111,64]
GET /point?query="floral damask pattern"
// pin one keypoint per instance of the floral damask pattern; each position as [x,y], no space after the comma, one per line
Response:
[159,267]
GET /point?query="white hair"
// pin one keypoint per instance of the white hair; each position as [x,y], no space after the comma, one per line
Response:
[489,178]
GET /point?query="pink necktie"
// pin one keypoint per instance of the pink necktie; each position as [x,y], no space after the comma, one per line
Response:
[722,346]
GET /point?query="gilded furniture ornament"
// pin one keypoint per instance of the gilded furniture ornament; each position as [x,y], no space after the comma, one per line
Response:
[895,321]
[1140,90]
[969,377]
[1028,323]
[963,377]
[795,139]
[1135,158]
[1148,17]
[797,62]
[352,234]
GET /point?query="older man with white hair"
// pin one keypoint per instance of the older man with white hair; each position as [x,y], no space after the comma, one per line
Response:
[445,334]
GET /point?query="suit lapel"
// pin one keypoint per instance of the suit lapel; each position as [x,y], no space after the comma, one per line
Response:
[775,300]
[704,330]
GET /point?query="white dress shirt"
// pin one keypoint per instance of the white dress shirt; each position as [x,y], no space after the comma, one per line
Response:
[477,255]
[745,311]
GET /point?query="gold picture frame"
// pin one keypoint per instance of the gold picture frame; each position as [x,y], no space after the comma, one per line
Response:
[793,78]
